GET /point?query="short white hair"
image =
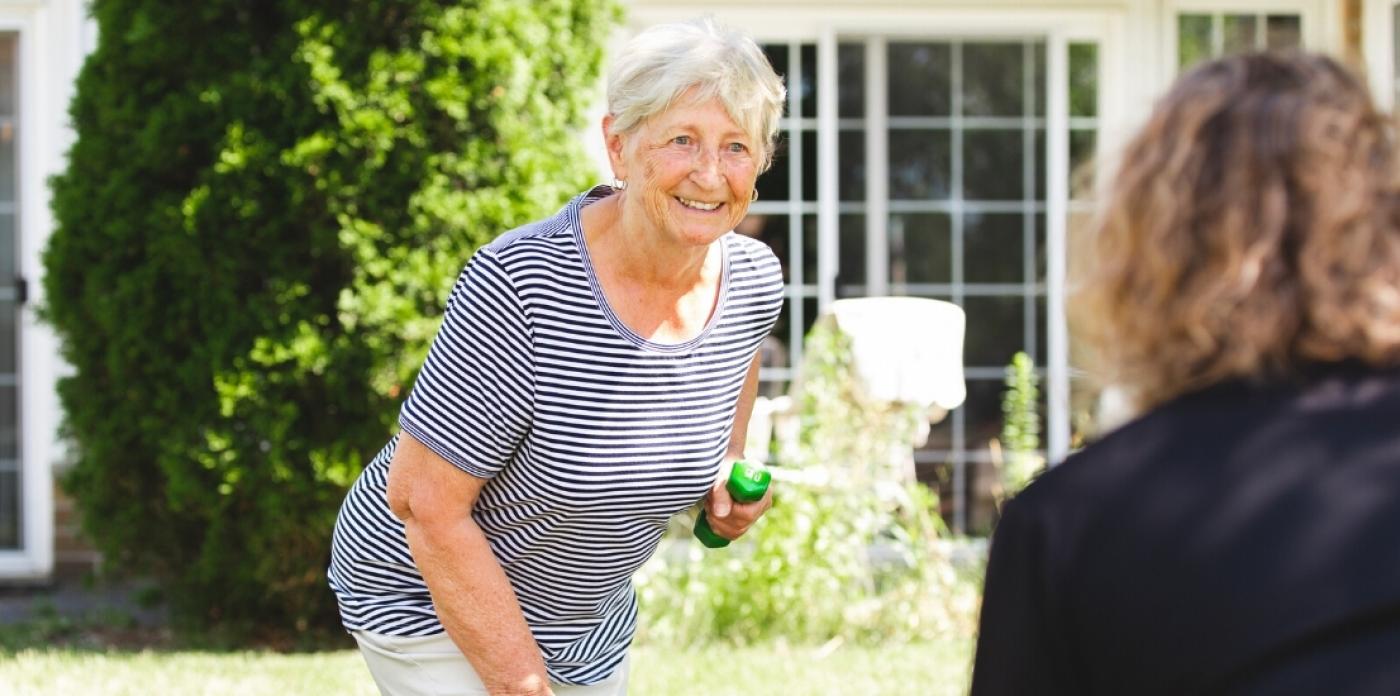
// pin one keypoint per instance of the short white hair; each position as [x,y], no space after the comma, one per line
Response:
[665,61]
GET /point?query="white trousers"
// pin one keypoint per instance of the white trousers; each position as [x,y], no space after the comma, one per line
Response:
[434,666]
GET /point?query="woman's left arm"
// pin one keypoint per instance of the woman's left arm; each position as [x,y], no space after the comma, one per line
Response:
[740,433]
[728,518]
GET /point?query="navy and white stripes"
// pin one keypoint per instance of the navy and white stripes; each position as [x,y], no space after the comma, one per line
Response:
[591,436]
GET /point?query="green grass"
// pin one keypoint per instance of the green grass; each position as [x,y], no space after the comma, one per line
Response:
[36,672]
[934,669]
[930,668]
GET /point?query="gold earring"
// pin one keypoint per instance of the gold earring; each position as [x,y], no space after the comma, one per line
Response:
[753,196]
[619,184]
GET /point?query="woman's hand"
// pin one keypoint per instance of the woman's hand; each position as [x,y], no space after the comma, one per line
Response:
[731,519]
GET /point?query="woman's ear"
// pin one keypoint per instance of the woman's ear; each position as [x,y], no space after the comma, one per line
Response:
[617,144]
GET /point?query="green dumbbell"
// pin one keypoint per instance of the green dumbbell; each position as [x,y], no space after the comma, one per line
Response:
[747,484]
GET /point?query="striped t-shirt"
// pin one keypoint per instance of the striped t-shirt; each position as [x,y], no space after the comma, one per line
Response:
[592,438]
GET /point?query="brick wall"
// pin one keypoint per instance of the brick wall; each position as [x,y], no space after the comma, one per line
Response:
[71,550]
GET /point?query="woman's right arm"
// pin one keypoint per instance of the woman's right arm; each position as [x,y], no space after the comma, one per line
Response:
[473,598]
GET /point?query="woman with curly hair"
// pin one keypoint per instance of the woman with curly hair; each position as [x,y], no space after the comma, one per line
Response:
[1242,286]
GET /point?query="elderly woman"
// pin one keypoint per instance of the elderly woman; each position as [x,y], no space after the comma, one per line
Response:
[592,374]
[1243,284]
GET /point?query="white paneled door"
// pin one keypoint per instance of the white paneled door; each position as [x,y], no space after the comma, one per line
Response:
[12,293]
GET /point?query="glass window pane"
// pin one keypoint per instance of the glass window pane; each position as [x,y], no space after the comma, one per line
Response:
[995,330]
[1283,32]
[981,504]
[982,411]
[778,58]
[809,249]
[808,92]
[1081,155]
[809,314]
[1084,79]
[850,277]
[850,177]
[921,248]
[920,79]
[1193,39]
[920,164]
[1041,152]
[775,184]
[850,77]
[994,248]
[1241,31]
[9,423]
[9,249]
[809,165]
[1040,247]
[7,162]
[9,340]
[940,435]
[992,162]
[9,509]
[771,230]
[7,74]
[1041,345]
[994,79]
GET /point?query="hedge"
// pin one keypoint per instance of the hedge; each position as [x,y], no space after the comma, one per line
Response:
[262,214]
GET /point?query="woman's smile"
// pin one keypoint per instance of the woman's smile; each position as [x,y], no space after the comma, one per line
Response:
[698,206]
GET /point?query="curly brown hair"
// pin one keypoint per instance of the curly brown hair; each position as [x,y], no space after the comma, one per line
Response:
[1252,229]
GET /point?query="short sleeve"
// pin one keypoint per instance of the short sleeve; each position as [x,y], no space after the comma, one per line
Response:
[473,399]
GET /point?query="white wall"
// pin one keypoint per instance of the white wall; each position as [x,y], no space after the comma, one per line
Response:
[1378,46]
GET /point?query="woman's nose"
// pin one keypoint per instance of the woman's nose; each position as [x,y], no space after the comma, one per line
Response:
[706,169]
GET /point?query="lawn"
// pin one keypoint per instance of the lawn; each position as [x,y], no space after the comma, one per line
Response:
[928,668]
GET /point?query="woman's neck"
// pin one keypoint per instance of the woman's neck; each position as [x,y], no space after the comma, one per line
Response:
[630,249]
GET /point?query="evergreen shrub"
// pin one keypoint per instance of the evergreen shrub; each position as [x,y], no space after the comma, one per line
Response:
[264,209]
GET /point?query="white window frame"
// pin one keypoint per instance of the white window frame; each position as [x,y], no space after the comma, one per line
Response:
[1379,47]
[1058,23]
[1320,24]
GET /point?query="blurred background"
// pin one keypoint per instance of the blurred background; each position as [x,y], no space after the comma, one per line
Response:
[227,229]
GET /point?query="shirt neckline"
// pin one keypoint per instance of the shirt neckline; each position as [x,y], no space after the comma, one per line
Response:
[596,194]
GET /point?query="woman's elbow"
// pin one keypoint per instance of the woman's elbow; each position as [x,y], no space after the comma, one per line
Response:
[399,493]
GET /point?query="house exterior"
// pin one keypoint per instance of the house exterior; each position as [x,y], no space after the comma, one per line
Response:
[927,151]
[928,148]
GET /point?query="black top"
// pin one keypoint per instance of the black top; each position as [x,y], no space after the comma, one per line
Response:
[1241,540]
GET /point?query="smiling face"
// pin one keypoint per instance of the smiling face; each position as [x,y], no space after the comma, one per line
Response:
[690,171]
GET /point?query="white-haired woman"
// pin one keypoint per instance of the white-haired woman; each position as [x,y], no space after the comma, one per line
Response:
[592,374]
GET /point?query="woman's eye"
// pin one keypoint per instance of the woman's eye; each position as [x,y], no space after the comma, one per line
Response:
[681,140]
[738,147]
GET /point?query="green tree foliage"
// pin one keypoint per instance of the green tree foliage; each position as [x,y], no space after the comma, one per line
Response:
[265,207]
